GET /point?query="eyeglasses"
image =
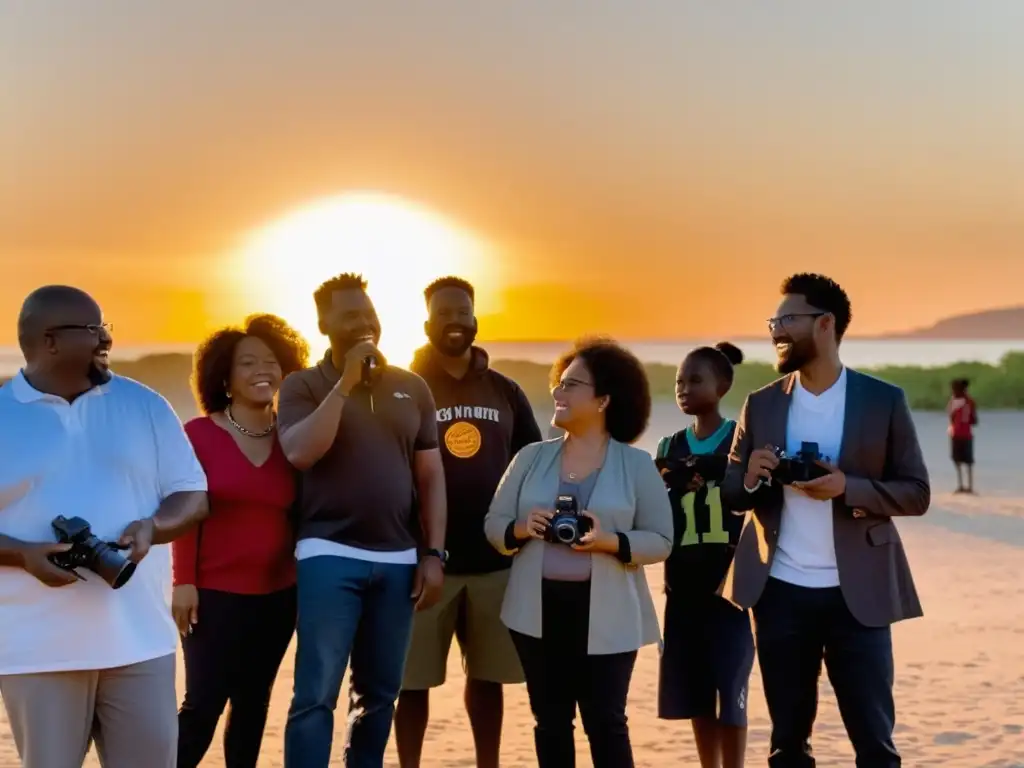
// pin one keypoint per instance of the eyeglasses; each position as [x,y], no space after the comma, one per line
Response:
[785,321]
[567,385]
[92,329]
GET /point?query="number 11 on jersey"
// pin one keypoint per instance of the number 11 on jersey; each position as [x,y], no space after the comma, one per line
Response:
[716,533]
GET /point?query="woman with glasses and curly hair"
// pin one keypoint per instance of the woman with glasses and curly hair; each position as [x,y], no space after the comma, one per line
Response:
[579,606]
[234,575]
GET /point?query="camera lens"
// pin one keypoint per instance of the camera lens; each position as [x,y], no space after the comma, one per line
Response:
[565,532]
[112,566]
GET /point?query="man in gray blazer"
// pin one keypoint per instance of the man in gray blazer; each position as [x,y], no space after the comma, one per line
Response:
[821,562]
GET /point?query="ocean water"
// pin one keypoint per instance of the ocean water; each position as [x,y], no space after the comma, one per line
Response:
[859,353]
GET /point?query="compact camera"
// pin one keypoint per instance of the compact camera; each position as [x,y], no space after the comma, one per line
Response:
[567,526]
[801,468]
[87,551]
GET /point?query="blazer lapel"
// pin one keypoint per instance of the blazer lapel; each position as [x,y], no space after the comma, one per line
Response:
[853,419]
[777,427]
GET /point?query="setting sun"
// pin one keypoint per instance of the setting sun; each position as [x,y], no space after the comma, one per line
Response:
[398,246]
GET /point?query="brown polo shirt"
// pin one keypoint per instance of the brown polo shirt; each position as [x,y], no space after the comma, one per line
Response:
[362,492]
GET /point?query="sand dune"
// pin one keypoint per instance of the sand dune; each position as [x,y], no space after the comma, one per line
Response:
[960,669]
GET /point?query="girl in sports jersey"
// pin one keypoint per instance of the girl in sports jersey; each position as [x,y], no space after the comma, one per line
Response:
[708,647]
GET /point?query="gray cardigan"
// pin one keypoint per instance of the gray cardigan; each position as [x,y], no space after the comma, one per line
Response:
[629,498]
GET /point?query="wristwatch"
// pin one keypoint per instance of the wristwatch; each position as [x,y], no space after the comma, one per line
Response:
[440,554]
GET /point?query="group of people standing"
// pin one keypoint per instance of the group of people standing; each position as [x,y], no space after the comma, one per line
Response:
[377,514]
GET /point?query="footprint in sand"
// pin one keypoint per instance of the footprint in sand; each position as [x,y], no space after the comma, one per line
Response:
[952,738]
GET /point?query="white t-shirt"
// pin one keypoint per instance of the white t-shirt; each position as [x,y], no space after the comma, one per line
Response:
[806,552]
[110,457]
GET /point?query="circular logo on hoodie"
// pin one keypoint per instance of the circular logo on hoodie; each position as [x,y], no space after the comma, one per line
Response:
[462,440]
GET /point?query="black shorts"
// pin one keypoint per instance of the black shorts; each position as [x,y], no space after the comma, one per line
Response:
[962,450]
[706,660]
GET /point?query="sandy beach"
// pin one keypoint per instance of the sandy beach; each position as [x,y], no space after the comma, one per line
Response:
[960,669]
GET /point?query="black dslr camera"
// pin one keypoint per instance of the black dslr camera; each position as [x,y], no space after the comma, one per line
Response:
[678,473]
[801,468]
[87,551]
[567,526]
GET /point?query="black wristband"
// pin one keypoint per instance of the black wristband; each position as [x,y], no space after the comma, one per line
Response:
[511,542]
[625,553]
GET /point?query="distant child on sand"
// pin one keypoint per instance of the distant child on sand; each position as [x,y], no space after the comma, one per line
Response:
[708,649]
[963,415]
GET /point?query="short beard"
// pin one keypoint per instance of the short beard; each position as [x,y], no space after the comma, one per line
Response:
[797,359]
[98,376]
[344,343]
[439,339]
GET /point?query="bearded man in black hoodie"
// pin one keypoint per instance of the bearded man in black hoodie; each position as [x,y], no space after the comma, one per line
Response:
[483,419]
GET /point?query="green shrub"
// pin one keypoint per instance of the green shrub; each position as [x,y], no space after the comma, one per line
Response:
[995,387]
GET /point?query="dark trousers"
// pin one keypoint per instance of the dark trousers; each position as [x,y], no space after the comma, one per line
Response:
[797,628]
[560,674]
[232,655]
[348,609]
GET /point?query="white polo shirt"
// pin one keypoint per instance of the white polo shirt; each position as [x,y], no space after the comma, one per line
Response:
[110,457]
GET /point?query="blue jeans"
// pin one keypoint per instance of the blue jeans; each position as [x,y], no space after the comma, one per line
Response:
[348,608]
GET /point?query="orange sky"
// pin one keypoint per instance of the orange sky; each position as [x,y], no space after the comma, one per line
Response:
[648,172]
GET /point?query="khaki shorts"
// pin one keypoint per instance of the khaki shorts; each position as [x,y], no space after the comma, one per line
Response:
[470,610]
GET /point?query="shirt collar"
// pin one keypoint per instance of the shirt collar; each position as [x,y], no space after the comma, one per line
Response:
[327,368]
[25,393]
[837,388]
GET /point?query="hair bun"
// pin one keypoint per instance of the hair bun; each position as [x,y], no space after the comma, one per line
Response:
[732,353]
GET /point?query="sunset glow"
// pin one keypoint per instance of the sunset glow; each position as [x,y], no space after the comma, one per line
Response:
[723,151]
[396,245]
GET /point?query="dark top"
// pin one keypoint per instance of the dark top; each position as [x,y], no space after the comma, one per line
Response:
[362,492]
[246,545]
[705,529]
[483,419]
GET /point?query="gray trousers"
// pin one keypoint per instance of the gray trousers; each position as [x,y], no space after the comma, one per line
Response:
[130,713]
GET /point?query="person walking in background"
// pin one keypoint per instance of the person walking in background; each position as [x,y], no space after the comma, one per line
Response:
[234,575]
[80,661]
[820,560]
[364,436]
[486,419]
[708,650]
[579,607]
[963,416]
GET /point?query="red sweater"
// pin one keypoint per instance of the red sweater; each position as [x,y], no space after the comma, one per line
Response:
[246,545]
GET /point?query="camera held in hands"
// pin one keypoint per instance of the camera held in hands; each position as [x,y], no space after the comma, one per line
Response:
[801,468]
[87,551]
[567,526]
[678,473]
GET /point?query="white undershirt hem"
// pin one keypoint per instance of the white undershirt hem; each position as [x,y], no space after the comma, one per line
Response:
[306,548]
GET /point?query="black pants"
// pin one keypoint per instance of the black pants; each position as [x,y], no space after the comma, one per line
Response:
[798,627]
[560,674]
[232,654]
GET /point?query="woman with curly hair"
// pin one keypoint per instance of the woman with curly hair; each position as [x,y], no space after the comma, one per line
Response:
[234,575]
[577,601]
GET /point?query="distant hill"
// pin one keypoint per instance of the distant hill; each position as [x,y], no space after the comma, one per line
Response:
[167,373]
[998,386]
[995,324]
